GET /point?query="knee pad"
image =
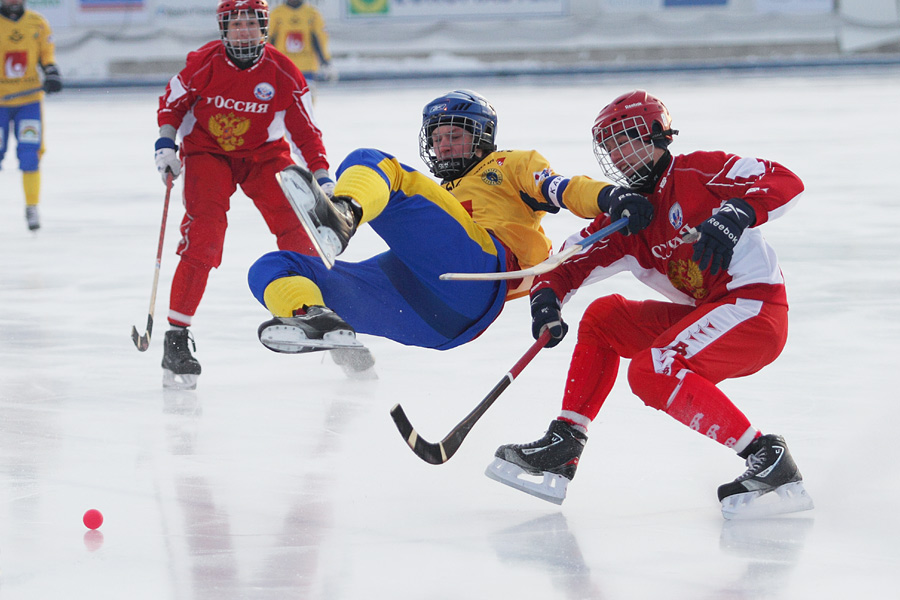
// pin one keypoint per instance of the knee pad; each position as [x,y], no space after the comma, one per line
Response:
[652,386]
[600,317]
[28,148]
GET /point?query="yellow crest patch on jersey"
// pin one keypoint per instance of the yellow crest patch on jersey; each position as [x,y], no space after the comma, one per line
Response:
[685,275]
[228,130]
[492,177]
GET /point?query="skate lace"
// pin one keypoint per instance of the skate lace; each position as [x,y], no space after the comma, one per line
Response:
[755,463]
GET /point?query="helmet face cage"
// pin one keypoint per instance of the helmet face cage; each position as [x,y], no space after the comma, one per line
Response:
[449,167]
[231,11]
[624,150]
[468,111]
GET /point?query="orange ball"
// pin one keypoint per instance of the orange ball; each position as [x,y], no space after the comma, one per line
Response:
[93,519]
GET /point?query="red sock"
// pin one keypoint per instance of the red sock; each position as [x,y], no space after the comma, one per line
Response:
[704,408]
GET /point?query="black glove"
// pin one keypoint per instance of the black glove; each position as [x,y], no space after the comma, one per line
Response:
[52,80]
[545,312]
[720,233]
[620,202]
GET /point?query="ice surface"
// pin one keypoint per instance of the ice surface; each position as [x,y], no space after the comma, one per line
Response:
[279,478]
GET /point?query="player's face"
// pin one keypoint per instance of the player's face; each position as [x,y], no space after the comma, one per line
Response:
[450,141]
[244,29]
[628,154]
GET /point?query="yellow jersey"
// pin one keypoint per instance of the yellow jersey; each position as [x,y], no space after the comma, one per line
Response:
[497,192]
[24,44]
[296,32]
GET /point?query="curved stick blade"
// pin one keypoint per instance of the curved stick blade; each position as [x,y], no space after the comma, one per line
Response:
[431,453]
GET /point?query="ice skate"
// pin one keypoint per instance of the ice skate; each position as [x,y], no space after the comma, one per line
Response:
[770,468]
[180,368]
[318,328]
[31,216]
[357,363]
[553,458]
[329,223]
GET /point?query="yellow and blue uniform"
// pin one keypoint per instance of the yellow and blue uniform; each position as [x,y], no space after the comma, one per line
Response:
[488,220]
[300,34]
[25,45]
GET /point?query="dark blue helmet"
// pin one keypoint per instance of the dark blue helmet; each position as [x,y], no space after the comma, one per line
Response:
[464,109]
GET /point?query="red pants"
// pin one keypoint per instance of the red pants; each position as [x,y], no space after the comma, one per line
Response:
[209,182]
[678,353]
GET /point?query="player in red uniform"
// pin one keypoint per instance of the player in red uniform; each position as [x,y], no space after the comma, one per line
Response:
[727,316]
[239,107]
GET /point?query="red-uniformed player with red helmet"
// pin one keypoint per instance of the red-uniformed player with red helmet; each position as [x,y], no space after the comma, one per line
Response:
[239,108]
[727,315]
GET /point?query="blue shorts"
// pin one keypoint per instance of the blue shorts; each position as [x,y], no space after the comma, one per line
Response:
[25,122]
[398,294]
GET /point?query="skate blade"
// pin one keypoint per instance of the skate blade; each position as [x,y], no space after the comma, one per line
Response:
[292,340]
[176,381]
[302,199]
[552,488]
[788,498]
[357,363]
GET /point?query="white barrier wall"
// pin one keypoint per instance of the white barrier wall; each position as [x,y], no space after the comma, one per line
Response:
[111,40]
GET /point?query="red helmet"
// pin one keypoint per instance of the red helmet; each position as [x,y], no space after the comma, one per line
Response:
[626,133]
[243,49]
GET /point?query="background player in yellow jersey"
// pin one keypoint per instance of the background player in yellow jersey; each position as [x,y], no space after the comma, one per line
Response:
[485,216]
[25,45]
[297,29]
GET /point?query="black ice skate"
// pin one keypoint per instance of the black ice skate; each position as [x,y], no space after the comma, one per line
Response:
[31,216]
[180,368]
[318,328]
[770,468]
[329,223]
[554,457]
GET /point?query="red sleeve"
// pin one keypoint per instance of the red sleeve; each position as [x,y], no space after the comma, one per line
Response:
[179,96]
[298,118]
[568,277]
[767,186]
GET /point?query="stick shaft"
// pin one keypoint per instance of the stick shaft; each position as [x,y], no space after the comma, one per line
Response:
[545,266]
[442,452]
[142,342]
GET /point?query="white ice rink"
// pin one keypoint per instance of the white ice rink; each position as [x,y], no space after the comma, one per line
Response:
[279,478]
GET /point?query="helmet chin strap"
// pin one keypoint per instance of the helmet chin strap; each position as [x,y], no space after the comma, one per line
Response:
[654,173]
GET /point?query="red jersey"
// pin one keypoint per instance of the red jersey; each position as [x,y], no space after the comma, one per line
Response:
[221,109]
[692,189]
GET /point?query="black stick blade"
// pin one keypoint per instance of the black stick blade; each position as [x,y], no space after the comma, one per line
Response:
[142,342]
[431,453]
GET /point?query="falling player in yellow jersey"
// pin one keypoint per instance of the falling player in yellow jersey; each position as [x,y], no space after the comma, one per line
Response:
[485,216]
[297,29]
[25,45]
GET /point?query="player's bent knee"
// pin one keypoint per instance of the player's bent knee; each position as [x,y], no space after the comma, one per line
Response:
[651,387]
[600,317]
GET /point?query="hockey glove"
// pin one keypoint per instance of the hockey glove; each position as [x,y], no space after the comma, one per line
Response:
[546,314]
[720,233]
[326,183]
[166,158]
[620,202]
[52,80]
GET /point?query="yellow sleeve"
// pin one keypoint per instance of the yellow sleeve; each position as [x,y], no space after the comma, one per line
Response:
[275,21]
[45,43]
[322,35]
[580,196]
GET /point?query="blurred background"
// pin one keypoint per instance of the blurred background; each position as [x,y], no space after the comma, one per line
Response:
[116,43]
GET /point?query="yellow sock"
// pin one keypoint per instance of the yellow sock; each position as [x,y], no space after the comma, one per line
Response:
[284,296]
[31,181]
[366,187]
